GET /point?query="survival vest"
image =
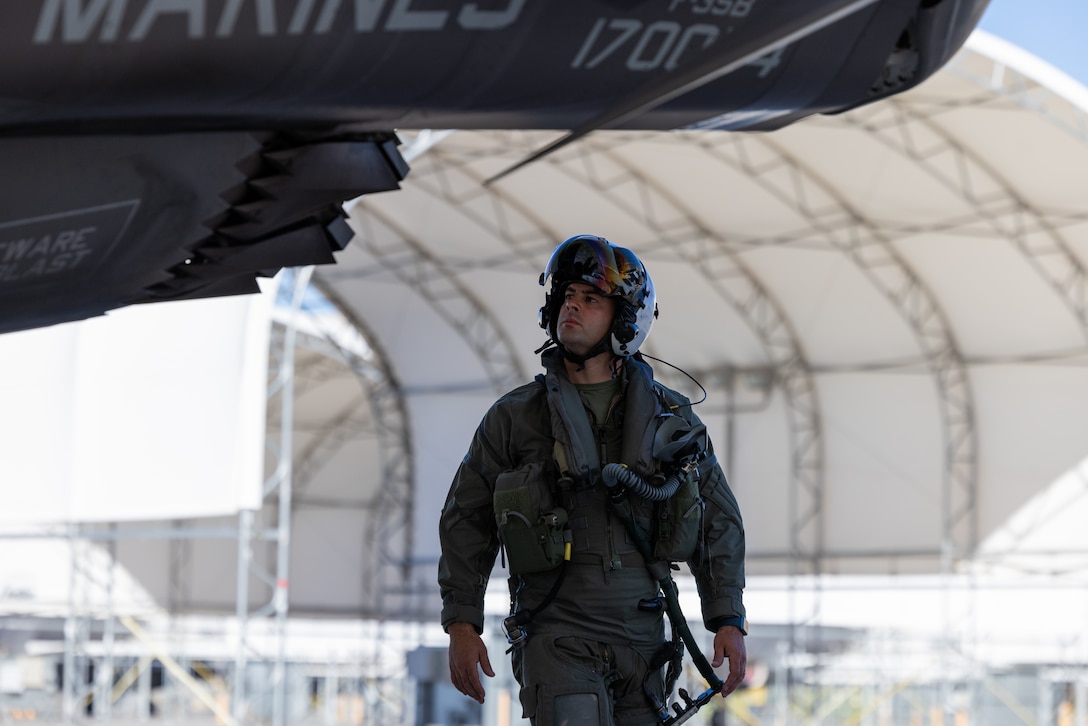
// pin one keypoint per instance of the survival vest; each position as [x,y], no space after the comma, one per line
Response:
[541,510]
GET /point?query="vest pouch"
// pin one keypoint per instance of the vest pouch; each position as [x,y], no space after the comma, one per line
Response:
[680,523]
[530,525]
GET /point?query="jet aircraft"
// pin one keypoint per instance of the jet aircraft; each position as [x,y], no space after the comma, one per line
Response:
[173,149]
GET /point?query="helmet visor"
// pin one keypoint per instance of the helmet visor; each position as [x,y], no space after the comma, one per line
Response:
[615,271]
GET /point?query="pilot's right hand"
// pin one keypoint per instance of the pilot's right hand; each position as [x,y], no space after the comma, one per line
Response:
[468,655]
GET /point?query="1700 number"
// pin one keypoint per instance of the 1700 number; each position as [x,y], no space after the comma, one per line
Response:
[648,47]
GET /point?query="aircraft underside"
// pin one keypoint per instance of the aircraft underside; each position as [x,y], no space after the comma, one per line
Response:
[160,150]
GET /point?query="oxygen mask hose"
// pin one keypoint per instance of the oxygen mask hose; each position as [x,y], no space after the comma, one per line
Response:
[619,475]
[614,475]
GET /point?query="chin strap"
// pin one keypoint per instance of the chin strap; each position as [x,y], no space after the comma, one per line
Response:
[602,346]
[549,343]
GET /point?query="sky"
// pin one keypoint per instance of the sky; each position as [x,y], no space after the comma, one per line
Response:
[1054,30]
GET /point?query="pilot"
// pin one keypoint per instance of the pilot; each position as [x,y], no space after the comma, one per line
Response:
[591,480]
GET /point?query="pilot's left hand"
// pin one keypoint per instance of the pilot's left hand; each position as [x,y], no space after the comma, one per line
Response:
[729,644]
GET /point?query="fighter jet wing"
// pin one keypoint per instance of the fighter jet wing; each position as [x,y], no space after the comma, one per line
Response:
[95,222]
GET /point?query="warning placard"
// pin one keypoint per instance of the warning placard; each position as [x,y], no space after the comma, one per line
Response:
[56,247]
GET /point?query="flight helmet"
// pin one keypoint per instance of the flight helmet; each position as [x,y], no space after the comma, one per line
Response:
[617,273]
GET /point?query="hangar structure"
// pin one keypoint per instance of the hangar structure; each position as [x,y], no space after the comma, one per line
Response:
[886,308]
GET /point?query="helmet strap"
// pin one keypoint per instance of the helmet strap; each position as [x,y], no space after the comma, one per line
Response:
[549,343]
[602,346]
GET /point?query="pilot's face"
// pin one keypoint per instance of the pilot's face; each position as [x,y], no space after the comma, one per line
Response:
[585,317]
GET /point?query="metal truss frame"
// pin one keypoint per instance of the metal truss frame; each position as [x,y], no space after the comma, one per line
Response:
[389,537]
[869,246]
[278,485]
[837,222]
[389,527]
[1029,94]
[78,690]
[529,237]
[409,260]
[992,196]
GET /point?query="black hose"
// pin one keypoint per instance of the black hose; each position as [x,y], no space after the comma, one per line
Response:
[614,474]
[659,571]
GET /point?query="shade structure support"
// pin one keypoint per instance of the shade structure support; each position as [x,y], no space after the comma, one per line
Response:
[454,182]
[388,527]
[104,674]
[76,688]
[87,670]
[1025,92]
[451,299]
[834,221]
[179,554]
[873,251]
[1005,213]
[391,534]
[398,253]
[277,489]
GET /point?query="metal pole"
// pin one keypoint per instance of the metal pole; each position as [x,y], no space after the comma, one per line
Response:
[1044,711]
[245,558]
[70,682]
[283,539]
[104,700]
[1080,701]
[143,688]
[332,689]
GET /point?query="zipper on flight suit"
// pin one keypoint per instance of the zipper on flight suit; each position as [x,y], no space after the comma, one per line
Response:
[613,558]
[602,443]
[613,561]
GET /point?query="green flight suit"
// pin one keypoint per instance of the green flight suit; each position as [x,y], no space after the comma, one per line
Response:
[595,624]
